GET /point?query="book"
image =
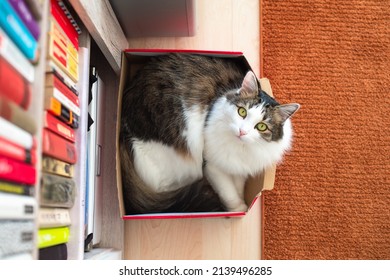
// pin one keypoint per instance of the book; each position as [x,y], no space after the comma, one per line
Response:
[52,236]
[16,135]
[62,39]
[56,252]
[11,23]
[51,77]
[17,172]
[61,112]
[17,207]
[18,189]
[15,57]
[52,68]
[17,152]
[57,191]
[65,21]
[49,217]
[17,236]
[57,126]
[25,15]
[58,147]
[55,82]
[57,167]
[65,97]
[95,143]
[16,115]
[19,91]
[35,7]
[26,256]
[60,52]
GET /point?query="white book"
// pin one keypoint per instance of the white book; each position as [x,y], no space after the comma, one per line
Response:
[13,206]
[99,122]
[53,217]
[91,164]
[15,134]
[77,212]
[16,237]
[66,101]
[15,57]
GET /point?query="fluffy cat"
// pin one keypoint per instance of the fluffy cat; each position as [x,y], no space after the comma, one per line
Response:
[190,122]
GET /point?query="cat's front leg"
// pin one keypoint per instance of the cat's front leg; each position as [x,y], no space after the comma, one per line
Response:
[229,188]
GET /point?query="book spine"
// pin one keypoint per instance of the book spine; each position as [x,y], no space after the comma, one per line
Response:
[62,19]
[61,38]
[16,189]
[25,15]
[14,206]
[15,57]
[16,115]
[19,90]
[59,54]
[58,84]
[17,172]
[53,217]
[64,114]
[58,147]
[64,98]
[15,134]
[35,8]
[52,68]
[58,167]
[17,152]
[17,237]
[17,31]
[56,252]
[50,80]
[57,126]
[57,191]
[52,236]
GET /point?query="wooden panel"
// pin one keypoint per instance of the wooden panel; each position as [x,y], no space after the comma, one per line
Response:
[221,25]
[112,229]
[100,20]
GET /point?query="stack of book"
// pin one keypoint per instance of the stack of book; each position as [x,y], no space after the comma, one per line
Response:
[61,119]
[19,34]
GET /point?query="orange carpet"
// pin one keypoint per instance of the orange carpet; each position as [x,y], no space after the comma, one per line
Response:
[332,192]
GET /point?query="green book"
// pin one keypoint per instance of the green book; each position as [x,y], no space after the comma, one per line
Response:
[52,236]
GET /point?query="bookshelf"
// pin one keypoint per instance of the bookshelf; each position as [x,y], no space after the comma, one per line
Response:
[89,53]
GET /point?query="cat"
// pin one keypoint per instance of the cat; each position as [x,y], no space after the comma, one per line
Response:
[189,122]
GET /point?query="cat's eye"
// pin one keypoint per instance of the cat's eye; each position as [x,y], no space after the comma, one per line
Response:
[242,112]
[261,127]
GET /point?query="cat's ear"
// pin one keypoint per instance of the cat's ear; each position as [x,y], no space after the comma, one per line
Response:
[285,111]
[250,85]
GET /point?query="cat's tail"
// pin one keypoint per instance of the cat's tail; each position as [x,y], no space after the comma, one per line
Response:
[139,199]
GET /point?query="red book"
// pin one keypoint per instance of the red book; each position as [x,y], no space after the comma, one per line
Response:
[17,172]
[58,127]
[59,15]
[17,152]
[13,86]
[58,84]
[58,147]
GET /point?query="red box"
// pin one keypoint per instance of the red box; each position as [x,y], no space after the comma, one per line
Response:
[132,59]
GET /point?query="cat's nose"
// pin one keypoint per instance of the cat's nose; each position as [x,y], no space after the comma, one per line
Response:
[243,132]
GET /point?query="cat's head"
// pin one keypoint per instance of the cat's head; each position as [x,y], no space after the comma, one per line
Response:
[255,117]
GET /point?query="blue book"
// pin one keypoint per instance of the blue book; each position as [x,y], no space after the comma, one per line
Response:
[11,23]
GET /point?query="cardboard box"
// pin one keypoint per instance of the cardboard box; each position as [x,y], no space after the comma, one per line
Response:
[132,60]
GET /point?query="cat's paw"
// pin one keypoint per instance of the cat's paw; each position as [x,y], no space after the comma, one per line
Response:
[240,208]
